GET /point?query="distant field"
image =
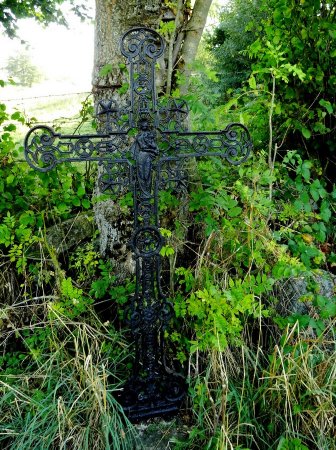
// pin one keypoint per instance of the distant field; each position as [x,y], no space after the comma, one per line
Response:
[51,107]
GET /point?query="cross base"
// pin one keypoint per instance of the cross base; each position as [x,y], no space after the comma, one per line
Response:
[146,398]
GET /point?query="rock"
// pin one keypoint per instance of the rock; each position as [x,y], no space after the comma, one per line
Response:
[295,295]
[70,233]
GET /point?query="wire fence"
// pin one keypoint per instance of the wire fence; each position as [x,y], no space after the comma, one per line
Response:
[72,115]
[69,94]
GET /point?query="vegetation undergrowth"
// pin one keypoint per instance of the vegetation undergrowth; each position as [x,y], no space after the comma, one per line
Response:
[245,397]
[256,303]
[61,366]
[58,390]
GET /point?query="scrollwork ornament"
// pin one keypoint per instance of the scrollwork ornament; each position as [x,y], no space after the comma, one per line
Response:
[142,42]
[238,143]
[40,153]
[147,241]
[201,144]
[84,148]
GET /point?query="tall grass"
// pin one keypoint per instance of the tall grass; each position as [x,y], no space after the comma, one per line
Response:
[283,400]
[64,399]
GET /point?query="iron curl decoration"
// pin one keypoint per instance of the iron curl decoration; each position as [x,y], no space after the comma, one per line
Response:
[44,148]
[238,143]
[147,241]
[40,151]
[143,148]
[112,118]
[142,42]
[84,148]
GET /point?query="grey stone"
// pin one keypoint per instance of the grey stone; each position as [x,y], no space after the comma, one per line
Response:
[295,295]
[71,232]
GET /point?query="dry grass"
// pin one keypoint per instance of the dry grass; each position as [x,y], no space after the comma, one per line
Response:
[65,398]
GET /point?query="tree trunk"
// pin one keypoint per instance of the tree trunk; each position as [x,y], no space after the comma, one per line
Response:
[193,34]
[113,19]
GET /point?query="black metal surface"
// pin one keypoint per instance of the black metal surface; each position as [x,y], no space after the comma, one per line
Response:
[154,161]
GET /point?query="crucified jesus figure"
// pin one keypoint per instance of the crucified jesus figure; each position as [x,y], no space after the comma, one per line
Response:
[144,150]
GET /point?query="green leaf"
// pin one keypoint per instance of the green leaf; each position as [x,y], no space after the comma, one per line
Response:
[167,250]
[16,115]
[62,207]
[76,201]
[327,105]
[105,70]
[252,82]
[86,203]
[306,133]
[287,13]
[27,218]
[328,311]
[123,89]
[234,212]
[10,179]
[304,33]
[80,191]
[302,319]
[325,212]
[10,127]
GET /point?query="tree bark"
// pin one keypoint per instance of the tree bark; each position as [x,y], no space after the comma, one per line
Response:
[113,19]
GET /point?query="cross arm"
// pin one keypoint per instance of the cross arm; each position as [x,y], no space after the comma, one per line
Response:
[233,143]
[44,148]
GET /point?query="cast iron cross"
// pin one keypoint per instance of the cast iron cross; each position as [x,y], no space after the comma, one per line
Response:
[142,147]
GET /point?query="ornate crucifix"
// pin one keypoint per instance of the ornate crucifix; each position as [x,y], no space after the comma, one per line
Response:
[143,147]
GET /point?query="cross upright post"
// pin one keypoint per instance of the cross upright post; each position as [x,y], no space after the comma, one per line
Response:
[146,163]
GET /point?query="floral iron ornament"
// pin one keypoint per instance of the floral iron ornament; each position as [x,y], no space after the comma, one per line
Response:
[154,161]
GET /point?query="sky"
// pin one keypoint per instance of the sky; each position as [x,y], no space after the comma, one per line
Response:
[65,56]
